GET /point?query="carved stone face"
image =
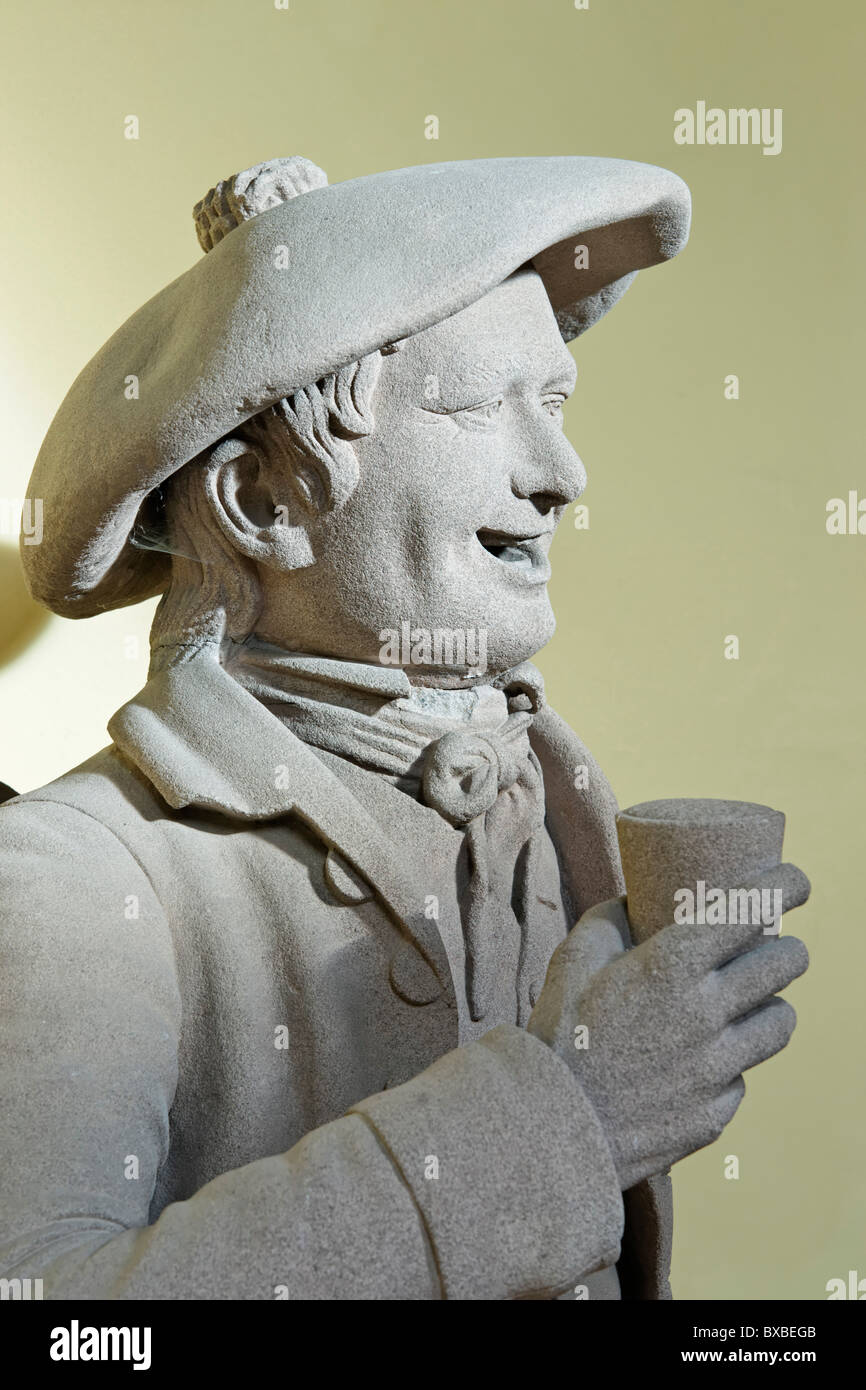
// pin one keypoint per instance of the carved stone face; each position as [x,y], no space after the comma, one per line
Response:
[463,481]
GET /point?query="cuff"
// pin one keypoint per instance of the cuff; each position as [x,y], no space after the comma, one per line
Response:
[508,1165]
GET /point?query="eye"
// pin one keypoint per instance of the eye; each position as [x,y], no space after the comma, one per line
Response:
[479,416]
[483,416]
[553,404]
[487,410]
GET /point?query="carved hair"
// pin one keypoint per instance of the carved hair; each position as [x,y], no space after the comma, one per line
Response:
[213,592]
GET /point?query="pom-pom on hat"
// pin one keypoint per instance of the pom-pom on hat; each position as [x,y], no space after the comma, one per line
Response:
[301,278]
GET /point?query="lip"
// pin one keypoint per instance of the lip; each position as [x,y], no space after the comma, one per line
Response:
[523,558]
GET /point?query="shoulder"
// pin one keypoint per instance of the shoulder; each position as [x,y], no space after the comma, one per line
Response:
[97,807]
[68,849]
[98,787]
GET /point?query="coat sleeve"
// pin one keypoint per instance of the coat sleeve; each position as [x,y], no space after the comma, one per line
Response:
[486,1176]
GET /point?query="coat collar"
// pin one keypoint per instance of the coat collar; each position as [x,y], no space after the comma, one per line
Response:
[203,741]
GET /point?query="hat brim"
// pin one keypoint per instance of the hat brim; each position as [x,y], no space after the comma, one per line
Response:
[365,262]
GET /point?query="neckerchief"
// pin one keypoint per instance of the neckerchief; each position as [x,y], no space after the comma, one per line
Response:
[466,753]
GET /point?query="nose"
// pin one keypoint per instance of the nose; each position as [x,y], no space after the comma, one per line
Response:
[550,473]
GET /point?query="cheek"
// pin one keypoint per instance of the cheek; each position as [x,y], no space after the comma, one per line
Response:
[421,474]
[425,485]
[461,479]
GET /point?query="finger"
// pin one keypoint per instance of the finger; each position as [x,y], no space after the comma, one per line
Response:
[722,1108]
[703,1124]
[751,978]
[752,1040]
[754,905]
[788,879]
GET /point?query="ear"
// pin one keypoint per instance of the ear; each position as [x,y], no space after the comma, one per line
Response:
[270,530]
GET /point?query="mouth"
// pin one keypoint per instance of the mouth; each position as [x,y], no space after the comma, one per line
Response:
[522,556]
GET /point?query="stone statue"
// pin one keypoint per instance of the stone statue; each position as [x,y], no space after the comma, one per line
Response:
[291,975]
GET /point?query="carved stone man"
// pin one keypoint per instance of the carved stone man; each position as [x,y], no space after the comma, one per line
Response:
[291,973]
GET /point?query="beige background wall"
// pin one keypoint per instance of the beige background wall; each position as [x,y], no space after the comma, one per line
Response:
[707,516]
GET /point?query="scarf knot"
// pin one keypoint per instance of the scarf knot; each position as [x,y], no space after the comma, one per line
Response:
[464,773]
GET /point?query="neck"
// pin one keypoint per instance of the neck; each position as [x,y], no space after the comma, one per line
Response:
[272,672]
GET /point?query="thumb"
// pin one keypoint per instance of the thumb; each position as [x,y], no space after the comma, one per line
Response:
[599,937]
[601,934]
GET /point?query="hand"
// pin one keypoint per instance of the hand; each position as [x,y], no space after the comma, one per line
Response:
[671,1024]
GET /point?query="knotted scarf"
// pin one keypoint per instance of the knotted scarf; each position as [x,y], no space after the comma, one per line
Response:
[465,753]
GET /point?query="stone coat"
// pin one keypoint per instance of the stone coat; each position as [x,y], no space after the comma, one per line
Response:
[231,1062]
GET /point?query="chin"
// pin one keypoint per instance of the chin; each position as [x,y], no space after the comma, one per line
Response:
[508,645]
[493,634]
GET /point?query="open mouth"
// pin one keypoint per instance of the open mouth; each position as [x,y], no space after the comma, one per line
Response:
[518,553]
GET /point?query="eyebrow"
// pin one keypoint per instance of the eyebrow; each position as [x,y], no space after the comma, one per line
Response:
[479,375]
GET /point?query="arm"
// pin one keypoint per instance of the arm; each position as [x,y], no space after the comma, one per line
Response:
[526,1202]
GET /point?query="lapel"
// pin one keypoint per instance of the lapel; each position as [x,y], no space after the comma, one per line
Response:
[580,812]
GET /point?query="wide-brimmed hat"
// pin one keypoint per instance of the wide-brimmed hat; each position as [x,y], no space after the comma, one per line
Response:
[301,278]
